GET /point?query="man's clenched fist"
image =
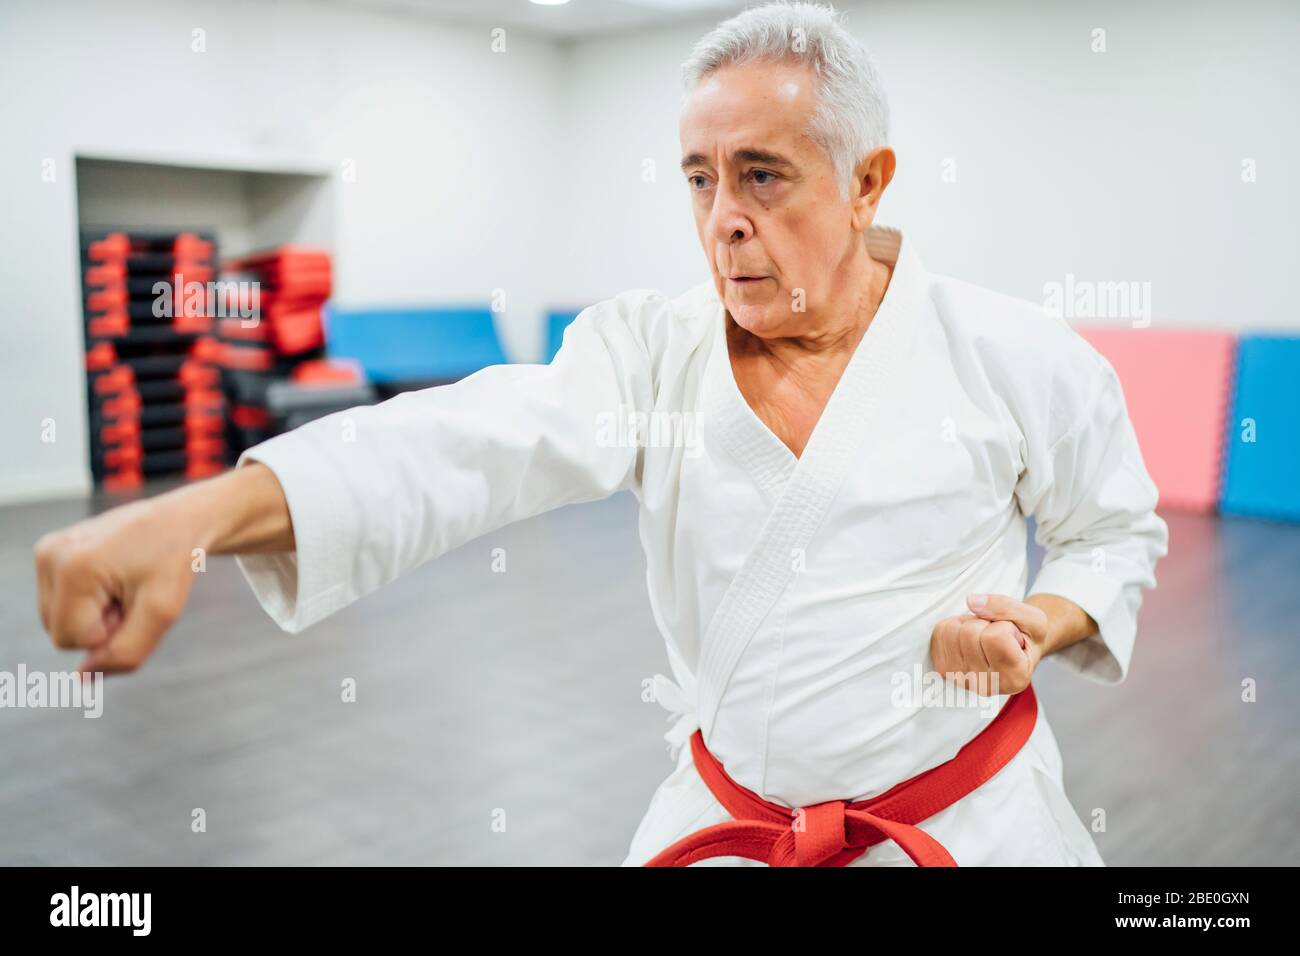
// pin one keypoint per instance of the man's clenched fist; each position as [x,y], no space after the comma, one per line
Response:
[1002,639]
[112,585]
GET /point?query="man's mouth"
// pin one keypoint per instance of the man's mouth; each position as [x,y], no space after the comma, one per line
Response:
[747,278]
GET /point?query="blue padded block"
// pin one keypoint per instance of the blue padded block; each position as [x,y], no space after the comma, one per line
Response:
[1262,478]
[556,323]
[414,344]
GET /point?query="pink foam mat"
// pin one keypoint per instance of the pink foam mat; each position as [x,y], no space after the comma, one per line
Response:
[1177,384]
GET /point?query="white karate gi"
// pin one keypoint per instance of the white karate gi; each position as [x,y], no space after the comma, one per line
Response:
[790,592]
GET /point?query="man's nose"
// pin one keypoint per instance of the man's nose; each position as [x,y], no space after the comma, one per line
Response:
[731,222]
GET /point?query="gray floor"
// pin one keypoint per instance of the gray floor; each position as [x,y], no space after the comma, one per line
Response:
[482,693]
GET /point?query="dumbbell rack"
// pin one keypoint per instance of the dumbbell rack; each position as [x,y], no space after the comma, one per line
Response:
[153,386]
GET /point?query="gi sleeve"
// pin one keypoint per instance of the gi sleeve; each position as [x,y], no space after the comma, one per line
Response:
[375,491]
[1094,506]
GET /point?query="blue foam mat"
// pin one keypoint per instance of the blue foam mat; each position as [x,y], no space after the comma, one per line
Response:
[1262,477]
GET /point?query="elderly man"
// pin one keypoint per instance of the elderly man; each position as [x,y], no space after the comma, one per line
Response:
[845,516]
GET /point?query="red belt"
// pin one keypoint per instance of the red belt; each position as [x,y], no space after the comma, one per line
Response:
[835,833]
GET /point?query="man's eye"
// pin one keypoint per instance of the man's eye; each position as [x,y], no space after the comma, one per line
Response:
[697,181]
[763,172]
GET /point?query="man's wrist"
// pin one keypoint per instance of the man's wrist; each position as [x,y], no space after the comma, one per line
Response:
[241,511]
[1067,623]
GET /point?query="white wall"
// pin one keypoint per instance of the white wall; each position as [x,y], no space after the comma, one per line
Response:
[244,211]
[524,171]
[1115,166]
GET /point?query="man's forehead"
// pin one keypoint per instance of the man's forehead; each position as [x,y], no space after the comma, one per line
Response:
[778,83]
[742,109]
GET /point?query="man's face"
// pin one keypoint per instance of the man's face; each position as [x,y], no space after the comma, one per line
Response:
[766,199]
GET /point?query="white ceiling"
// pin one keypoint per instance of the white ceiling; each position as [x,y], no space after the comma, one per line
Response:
[574,19]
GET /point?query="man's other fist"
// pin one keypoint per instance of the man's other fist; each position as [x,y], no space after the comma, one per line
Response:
[993,649]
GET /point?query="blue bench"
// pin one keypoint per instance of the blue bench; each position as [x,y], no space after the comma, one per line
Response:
[556,323]
[414,345]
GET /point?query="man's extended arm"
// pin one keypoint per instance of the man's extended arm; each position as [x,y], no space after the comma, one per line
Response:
[325,514]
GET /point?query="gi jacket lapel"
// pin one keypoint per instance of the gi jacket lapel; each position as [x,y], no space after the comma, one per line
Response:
[805,496]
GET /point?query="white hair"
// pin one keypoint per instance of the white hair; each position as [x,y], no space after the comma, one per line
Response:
[852,114]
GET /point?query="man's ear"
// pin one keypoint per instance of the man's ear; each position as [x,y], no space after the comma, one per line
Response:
[871,179]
